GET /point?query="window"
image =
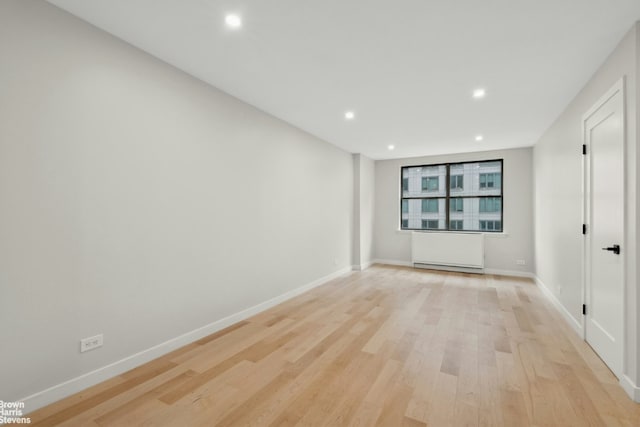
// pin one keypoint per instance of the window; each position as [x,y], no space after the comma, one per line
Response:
[457,182]
[456,205]
[429,224]
[490,180]
[455,224]
[491,204]
[430,183]
[490,225]
[472,200]
[429,205]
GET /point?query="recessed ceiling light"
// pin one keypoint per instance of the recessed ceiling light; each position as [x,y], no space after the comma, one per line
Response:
[349,115]
[233,21]
[391,147]
[479,137]
[479,93]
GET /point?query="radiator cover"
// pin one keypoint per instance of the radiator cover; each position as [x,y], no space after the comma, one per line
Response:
[448,249]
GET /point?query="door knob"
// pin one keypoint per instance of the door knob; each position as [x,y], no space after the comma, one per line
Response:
[615,249]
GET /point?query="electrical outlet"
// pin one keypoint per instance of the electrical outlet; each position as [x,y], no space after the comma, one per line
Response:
[91,343]
[520,262]
[335,261]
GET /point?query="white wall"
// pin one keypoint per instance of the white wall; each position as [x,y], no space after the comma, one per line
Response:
[355,256]
[364,187]
[367,209]
[139,202]
[634,262]
[502,250]
[558,193]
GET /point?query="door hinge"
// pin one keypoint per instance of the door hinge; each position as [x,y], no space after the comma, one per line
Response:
[584,309]
[584,149]
[584,228]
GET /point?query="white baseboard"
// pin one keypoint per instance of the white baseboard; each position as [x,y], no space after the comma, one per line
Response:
[361,267]
[72,386]
[393,262]
[486,270]
[575,325]
[630,388]
[451,268]
[512,273]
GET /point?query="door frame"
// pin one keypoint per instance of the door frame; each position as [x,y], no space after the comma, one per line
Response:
[618,87]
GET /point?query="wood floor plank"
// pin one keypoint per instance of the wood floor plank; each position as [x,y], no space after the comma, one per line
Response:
[442,408]
[138,404]
[388,346]
[145,372]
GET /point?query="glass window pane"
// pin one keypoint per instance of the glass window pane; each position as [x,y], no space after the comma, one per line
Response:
[456,224]
[430,205]
[430,224]
[428,209]
[476,179]
[478,213]
[456,205]
[421,181]
[430,183]
[491,204]
[456,182]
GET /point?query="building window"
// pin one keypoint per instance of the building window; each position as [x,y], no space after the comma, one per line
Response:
[490,204]
[455,224]
[456,205]
[472,200]
[457,182]
[486,225]
[429,205]
[430,183]
[490,180]
[429,224]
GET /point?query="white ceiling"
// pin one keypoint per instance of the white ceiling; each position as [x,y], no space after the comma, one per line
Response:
[406,67]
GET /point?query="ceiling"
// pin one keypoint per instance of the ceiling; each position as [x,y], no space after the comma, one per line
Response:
[407,68]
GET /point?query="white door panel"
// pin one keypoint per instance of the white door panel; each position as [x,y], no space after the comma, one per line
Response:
[604,287]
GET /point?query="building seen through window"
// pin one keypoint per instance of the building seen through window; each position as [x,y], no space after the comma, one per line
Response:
[453,196]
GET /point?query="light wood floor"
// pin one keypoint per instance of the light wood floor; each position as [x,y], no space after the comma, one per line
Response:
[388,346]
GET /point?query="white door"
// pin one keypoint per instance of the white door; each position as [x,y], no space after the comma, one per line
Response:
[603,129]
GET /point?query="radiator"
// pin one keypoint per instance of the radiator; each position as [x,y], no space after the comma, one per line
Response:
[462,250]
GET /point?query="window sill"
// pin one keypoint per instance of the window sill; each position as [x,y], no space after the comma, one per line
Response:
[501,235]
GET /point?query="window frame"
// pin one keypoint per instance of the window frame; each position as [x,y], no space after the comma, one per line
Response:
[448,196]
